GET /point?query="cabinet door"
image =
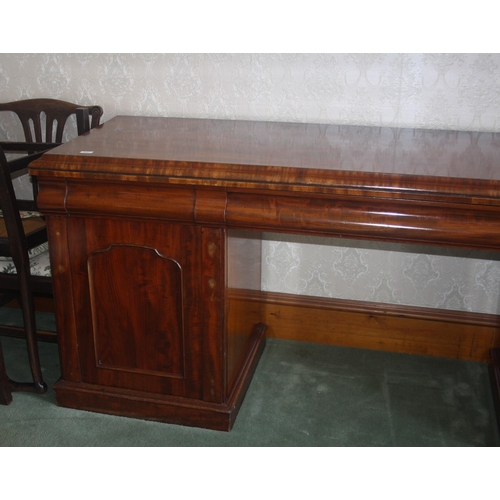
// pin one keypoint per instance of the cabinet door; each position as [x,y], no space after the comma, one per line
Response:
[138,310]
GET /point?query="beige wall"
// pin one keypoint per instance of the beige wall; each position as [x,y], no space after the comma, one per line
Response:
[457,91]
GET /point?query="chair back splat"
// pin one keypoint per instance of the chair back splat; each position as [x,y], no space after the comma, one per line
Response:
[30,112]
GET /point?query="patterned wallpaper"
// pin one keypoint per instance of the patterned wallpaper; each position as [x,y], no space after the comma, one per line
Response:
[446,91]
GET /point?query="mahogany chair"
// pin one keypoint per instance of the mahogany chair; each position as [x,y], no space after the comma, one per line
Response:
[23,235]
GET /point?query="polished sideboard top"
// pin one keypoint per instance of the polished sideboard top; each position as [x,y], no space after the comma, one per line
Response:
[388,184]
[314,158]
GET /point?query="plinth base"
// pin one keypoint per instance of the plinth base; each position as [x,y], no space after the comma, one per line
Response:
[164,408]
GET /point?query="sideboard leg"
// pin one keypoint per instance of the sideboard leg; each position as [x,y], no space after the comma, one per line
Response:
[495,380]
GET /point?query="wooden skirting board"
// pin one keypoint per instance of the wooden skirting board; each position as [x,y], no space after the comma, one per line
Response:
[412,330]
[395,328]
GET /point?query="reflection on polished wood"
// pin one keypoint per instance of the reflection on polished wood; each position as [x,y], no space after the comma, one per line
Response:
[188,198]
[244,257]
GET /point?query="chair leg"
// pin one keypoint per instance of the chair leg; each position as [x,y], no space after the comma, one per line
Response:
[5,392]
[28,310]
[495,380]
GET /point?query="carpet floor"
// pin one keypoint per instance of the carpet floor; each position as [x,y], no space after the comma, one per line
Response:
[302,394]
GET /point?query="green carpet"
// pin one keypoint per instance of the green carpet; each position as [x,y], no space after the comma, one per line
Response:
[302,394]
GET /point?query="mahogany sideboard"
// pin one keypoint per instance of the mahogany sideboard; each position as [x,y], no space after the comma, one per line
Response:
[154,230]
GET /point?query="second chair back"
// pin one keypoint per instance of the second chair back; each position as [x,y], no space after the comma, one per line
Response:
[56,112]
